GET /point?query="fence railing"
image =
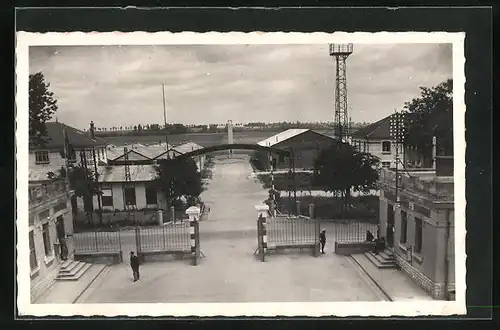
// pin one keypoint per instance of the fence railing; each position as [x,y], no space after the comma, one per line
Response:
[284,230]
[169,237]
[353,231]
[97,241]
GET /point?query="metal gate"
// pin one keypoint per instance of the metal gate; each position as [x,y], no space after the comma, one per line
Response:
[170,238]
[287,232]
[97,242]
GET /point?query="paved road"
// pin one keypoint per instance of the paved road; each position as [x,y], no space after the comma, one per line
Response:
[230,272]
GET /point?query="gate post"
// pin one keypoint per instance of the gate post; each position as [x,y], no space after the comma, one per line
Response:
[138,242]
[297,208]
[172,212]
[262,211]
[317,229]
[311,211]
[159,217]
[194,229]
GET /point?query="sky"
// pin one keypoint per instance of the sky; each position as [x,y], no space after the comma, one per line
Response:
[211,84]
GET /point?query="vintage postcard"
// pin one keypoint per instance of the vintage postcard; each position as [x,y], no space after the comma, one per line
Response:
[240,174]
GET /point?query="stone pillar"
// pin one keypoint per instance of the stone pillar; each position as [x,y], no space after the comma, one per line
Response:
[297,207]
[172,212]
[159,217]
[311,211]
[272,209]
[194,213]
[262,211]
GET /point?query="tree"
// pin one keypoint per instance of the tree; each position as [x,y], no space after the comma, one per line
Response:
[42,106]
[178,178]
[430,115]
[342,167]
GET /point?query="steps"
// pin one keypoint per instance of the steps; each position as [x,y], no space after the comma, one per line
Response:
[384,259]
[72,270]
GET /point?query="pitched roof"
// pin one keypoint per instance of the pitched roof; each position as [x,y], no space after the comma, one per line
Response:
[187,147]
[151,151]
[116,173]
[77,138]
[377,131]
[282,136]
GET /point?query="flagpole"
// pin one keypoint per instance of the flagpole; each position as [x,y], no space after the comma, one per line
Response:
[164,114]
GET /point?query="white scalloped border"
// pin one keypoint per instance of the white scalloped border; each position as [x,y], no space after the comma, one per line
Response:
[341,309]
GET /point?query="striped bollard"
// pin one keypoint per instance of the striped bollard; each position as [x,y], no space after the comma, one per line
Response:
[262,211]
[194,230]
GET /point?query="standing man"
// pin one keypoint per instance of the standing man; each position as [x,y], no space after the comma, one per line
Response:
[322,240]
[134,264]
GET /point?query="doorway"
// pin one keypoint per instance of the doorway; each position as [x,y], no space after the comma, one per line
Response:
[61,237]
[390,225]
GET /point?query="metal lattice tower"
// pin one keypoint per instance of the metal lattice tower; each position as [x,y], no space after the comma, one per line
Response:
[341,52]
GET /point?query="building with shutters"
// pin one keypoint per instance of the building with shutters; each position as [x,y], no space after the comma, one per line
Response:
[50,233]
[420,228]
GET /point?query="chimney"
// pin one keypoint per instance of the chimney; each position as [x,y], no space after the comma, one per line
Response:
[92,130]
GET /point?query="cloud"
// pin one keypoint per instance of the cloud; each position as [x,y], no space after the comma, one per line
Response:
[122,85]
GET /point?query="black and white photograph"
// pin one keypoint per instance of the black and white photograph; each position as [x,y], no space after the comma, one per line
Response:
[316,174]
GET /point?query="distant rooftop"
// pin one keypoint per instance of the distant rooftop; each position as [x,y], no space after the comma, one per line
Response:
[282,136]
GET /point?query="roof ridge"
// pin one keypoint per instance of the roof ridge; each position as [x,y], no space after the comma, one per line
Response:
[377,125]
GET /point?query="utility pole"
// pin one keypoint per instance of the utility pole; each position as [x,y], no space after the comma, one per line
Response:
[83,160]
[96,178]
[127,183]
[398,133]
[96,173]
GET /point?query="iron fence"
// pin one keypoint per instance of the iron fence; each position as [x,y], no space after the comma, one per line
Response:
[169,237]
[353,231]
[292,231]
[97,241]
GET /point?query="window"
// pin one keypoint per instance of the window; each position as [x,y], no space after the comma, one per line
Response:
[386,164]
[42,157]
[60,206]
[107,197]
[130,196]
[418,235]
[386,146]
[404,225]
[44,215]
[33,261]
[151,196]
[46,239]
[282,158]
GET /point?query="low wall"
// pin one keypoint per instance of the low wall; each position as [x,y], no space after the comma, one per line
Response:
[156,256]
[292,248]
[106,258]
[348,248]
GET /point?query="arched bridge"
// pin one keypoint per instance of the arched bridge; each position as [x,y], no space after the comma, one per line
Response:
[234,146]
